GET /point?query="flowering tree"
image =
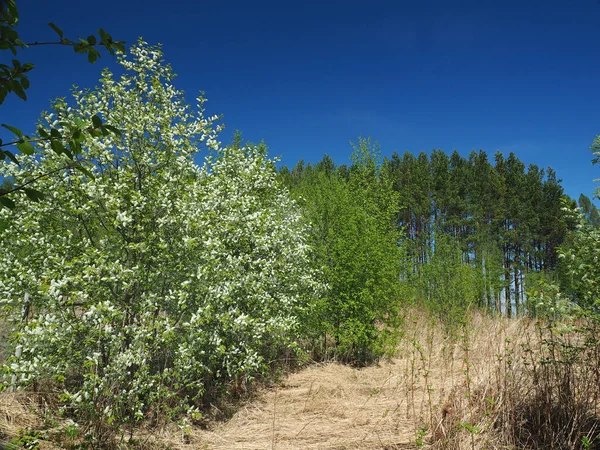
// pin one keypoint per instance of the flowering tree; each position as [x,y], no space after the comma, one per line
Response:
[154,281]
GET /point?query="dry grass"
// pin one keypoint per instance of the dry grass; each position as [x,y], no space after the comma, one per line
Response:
[21,413]
[17,411]
[330,406]
[470,392]
[421,392]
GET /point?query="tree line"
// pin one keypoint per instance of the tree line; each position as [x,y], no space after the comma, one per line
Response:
[506,219]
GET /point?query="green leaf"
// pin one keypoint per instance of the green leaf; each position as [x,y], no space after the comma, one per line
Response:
[25,82]
[10,34]
[11,7]
[57,146]
[13,129]
[77,136]
[93,55]
[92,39]
[75,147]
[80,48]
[16,87]
[34,195]
[25,147]
[113,129]
[55,133]
[83,170]
[3,93]
[12,157]
[7,202]
[104,36]
[58,30]
[43,133]
[97,121]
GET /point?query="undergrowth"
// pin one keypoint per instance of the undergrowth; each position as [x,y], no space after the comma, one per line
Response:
[487,383]
[540,389]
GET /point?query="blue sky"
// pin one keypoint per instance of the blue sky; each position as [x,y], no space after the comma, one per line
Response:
[308,77]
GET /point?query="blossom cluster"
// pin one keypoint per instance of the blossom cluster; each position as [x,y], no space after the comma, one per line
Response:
[152,278]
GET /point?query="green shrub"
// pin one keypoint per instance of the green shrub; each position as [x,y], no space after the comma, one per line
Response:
[154,282]
[357,245]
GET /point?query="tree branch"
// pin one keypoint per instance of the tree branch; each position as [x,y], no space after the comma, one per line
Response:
[33,180]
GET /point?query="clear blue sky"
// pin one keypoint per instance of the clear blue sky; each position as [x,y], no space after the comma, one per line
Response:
[308,77]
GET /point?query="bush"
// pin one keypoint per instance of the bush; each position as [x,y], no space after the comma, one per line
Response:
[448,285]
[154,282]
[357,245]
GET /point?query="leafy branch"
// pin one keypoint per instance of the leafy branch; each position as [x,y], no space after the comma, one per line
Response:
[13,79]
[33,194]
[73,139]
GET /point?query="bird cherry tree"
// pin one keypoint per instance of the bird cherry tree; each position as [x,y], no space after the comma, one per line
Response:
[154,281]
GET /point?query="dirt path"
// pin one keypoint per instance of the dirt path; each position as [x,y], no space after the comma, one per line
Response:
[397,404]
[323,407]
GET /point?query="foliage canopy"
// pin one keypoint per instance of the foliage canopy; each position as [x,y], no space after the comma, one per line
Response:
[155,282]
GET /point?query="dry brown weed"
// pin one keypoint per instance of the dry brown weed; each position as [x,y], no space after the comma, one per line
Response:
[438,392]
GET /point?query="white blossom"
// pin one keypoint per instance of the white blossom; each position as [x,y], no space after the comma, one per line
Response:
[155,275]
